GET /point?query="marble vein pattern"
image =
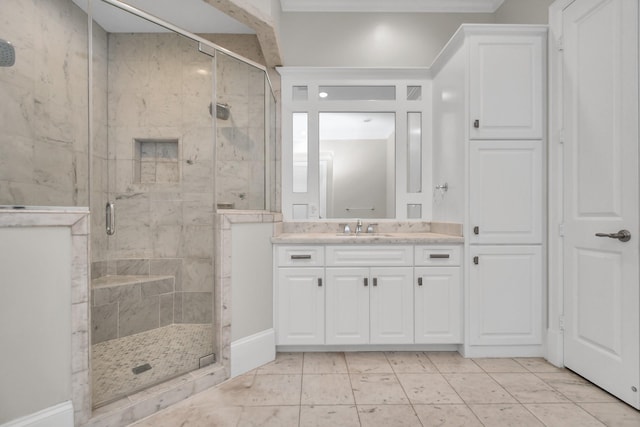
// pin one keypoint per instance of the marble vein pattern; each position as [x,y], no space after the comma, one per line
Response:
[341,389]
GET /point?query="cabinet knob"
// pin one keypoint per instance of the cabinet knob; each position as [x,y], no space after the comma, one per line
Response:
[419,281]
[476,123]
[366,281]
[375,281]
[319,281]
[476,260]
[476,230]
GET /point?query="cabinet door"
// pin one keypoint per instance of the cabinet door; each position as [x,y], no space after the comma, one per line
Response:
[506,192]
[505,291]
[438,305]
[347,313]
[391,305]
[300,311]
[506,87]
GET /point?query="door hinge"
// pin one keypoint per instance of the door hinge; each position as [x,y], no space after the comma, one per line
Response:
[561,323]
[560,44]
[561,230]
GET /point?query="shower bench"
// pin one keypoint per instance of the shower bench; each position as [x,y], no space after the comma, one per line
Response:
[123,305]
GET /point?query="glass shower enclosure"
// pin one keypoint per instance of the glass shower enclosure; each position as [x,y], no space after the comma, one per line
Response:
[178,126]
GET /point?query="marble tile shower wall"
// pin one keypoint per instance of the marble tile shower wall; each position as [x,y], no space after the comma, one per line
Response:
[43,143]
[241,139]
[159,88]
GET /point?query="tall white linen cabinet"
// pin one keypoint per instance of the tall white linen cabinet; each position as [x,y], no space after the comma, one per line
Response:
[489,139]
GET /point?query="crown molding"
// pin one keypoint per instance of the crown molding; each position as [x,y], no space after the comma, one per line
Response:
[399,6]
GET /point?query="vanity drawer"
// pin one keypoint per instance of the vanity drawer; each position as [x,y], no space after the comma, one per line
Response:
[429,255]
[294,255]
[369,256]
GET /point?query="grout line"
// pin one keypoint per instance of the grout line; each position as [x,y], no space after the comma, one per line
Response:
[355,403]
[403,389]
[301,383]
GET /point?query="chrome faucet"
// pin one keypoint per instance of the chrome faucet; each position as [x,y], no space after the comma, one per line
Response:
[358,227]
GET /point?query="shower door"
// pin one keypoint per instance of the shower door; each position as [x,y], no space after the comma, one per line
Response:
[152,204]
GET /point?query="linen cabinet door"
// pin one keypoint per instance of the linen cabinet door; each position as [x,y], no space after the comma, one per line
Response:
[505,291]
[506,192]
[438,305]
[347,313]
[300,311]
[391,305]
[507,86]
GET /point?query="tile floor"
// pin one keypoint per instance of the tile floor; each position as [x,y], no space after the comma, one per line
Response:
[170,350]
[400,389]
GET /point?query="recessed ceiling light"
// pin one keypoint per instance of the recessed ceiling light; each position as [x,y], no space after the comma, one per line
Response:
[323,94]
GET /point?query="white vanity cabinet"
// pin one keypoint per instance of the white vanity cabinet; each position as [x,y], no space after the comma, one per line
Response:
[300,297]
[372,304]
[369,305]
[368,294]
[506,86]
[438,295]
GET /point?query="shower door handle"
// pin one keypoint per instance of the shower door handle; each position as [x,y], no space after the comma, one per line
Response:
[110,223]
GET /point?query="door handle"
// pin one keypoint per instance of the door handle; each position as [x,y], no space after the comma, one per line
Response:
[622,235]
[110,223]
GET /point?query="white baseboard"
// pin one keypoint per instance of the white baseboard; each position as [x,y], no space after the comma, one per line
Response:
[503,351]
[368,347]
[253,351]
[555,347]
[60,415]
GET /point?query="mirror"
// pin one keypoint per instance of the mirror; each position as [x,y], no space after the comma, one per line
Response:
[357,165]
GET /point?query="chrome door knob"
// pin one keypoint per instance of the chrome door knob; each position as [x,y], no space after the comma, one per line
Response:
[622,235]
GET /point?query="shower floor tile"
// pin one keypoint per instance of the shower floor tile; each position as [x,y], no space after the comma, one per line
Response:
[170,350]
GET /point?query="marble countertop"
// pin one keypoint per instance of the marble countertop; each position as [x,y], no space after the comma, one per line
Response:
[364,238]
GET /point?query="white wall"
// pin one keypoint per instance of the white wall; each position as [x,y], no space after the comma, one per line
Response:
[523,12]
[361,39]
[35,319]
[368,39]
[251,279]
[449,164]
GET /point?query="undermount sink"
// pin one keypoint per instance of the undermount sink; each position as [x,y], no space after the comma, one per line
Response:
[364,235]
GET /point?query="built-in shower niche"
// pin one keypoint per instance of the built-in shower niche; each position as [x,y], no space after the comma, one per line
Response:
[156,161]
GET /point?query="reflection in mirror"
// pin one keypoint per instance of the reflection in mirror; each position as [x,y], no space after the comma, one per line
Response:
[357,165]
[300,152]
[414,159]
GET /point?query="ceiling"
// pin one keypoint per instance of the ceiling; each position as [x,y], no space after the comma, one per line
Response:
[195,16]
[432,6]
[198,16]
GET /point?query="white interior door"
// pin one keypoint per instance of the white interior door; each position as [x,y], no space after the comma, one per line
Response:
[600,110]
